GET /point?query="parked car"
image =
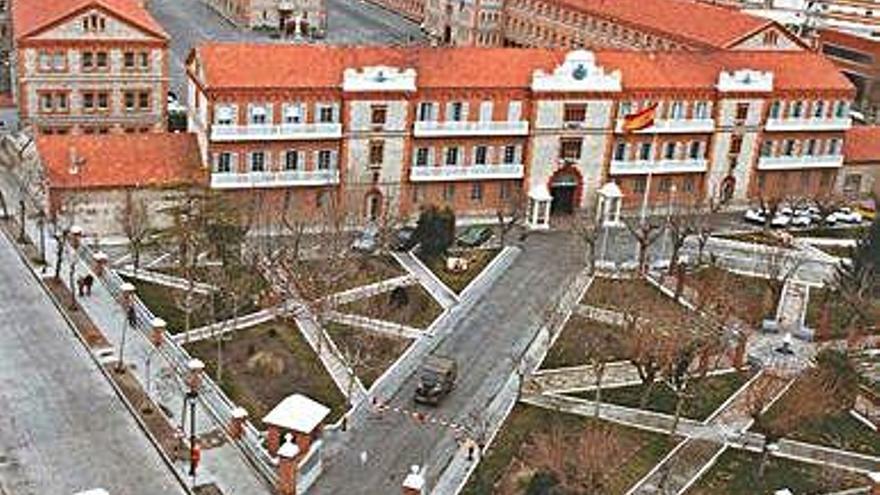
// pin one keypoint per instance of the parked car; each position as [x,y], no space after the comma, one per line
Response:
[366,240]
[755,216]
[474,236]
[404,239]
[781,220]
[848,215]
[436,379]
[801,219]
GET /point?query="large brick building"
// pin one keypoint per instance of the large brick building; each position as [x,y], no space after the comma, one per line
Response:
[478,127]
[89,66]
[291,17]
[593,24]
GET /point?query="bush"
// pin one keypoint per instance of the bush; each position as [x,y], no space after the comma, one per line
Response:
[542,483]
[435,231]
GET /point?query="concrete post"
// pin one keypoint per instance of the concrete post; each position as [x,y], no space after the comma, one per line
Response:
[287,456]
[194,379]
[414,483]
[100,263]
[157,337]
[236,424]
[273,439]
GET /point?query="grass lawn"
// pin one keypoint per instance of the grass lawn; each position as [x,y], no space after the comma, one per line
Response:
[763,237]
[419,310]
[839,251]
[571,345]
[265,364]
[614,294]
[709,393]
[350,272]
[511,463]
[166,303]
[838,316]
[376,352]
[747,298]
[735,473]
[849,232]
[457,281]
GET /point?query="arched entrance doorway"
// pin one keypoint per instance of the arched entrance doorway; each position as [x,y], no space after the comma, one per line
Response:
[374,205]
[565,187]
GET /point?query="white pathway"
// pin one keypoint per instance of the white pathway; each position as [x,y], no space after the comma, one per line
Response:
[160,278]
[443,294]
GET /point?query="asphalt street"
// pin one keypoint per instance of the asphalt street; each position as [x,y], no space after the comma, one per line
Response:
[486,342]
[190,22]
[62,428]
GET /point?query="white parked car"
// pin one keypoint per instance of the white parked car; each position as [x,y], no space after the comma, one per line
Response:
[847,215]
[755,216]
[780,220]
[802,220]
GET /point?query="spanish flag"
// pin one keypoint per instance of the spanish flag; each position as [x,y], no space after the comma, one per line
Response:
[642,119]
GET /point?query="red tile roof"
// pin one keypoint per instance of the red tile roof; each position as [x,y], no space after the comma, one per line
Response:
[699,23]
[29,16]
[256,66]
[695,23]
[121,160]
[862,144]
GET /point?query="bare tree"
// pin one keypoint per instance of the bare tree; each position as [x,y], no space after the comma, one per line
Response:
[509,214]
[578,462]
[134,218]
[586,226]
[646,234]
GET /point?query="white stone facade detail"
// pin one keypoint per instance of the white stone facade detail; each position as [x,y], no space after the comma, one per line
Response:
[579,72]
[379,78]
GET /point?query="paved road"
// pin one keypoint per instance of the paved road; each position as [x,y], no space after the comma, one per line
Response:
[190,22]
[485,341]
[62,429]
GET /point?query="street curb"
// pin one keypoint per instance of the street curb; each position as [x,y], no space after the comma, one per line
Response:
[116,390]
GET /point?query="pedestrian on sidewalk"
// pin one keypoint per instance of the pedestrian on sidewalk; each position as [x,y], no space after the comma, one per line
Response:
[88,281]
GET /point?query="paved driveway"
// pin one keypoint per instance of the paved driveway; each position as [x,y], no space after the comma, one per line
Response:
[485,342]
[62,428]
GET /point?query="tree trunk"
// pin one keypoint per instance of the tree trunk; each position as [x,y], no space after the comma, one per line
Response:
[643,256]
[136,252]
[679,403]
[59,255]
[765,456]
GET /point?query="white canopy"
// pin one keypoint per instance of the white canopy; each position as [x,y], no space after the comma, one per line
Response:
[540,193]
[297,413]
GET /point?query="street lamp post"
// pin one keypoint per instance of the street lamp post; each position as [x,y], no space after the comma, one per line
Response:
[127,308]
[195,367]
[75,239]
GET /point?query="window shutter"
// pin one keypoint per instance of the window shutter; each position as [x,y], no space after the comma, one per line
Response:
[448,115]
[464,111]
[333,157]
[518,154]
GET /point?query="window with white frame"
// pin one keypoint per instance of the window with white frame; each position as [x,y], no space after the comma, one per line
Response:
[788,147]
[422,157]
[451,156]
[258,115]
[620,151]
[834,147]
[486,109]
[427,111]
[701,110]
[449,193]
[510,154]
[326,114]
[514,111]
[818,109]
[841,109]
[291,160]
[625,108]
[480,155]
[258,161]
[224,162]
[797,110]
[676,111]
[645,151]
[476,192]
[455,111]
[294,114]
[810,148]
[775,109]
[325,159]
[694,151]
[766,148]
[669,151]
[224,115]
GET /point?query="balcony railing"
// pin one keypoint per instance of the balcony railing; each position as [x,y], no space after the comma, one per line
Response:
[283,178]
[808,124]
[273,132]
[671,126]
[431,173]
[488,128]
[697,165]
[799,162]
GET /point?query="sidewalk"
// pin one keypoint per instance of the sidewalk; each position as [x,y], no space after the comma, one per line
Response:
[224,465]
